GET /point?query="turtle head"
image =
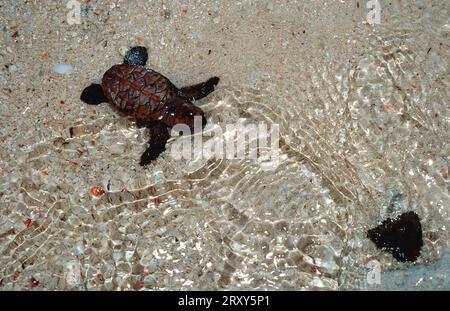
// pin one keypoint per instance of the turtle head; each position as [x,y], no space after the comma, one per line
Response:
[136,56]
[183,112]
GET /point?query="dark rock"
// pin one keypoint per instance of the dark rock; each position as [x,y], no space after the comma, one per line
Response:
[402,236]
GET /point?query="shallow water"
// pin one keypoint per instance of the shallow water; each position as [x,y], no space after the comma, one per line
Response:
[364,129]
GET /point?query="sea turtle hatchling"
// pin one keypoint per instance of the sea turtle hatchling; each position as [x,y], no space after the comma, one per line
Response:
[150,97]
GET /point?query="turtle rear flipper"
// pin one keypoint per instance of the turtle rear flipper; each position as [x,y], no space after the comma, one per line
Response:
[159,134]
[93,95]
[198,91]
[136,56]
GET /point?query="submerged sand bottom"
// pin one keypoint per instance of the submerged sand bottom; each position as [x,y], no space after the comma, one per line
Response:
[363,115]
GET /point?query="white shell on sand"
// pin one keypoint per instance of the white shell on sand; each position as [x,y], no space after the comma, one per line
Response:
[62,68]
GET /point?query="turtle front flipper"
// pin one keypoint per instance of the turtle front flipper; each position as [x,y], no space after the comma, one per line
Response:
[136,56]
[93,95]
[159,134]
[198,91]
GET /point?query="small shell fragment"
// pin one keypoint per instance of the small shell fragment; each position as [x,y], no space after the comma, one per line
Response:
[97,191]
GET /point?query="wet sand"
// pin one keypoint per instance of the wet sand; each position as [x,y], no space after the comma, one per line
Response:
[363,114]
